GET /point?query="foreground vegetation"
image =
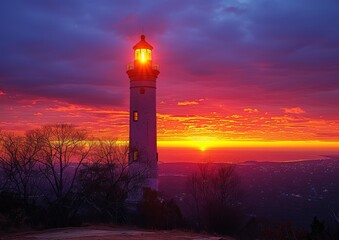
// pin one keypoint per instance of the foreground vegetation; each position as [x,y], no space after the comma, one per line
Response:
[57,176]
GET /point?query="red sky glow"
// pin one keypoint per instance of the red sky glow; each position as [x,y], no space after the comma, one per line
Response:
[233,73]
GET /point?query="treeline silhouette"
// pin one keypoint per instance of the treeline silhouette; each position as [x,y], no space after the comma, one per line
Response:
[58,175]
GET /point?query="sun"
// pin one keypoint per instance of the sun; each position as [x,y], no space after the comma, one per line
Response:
[202,148]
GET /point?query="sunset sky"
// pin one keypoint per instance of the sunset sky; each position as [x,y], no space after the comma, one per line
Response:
[231,72]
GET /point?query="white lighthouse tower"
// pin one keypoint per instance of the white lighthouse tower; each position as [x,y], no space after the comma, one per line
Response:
[143,156]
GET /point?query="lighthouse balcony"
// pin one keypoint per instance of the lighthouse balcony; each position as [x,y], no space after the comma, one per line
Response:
[130,66]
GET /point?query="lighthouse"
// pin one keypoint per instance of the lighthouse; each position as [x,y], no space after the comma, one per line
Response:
[143,156]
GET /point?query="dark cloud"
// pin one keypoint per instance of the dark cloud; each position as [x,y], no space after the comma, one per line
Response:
[241,50]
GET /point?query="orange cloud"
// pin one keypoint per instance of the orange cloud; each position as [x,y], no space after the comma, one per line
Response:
[201,126]
[68,108]
[295,110]
[251,110]
[186,103]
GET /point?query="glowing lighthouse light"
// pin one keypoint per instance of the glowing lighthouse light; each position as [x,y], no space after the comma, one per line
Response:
[143,51]
[143,55]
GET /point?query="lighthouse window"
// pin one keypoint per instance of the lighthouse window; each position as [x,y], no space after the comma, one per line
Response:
[135,116]
[142,90]
[137,54]
[135,155]
[149,54]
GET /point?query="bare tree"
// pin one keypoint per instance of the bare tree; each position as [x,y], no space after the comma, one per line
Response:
[106,180]
[336,222]
[18,158]
[199,187]
[194,191]
[61,165]
[64,150]
[215,195]
[225,186]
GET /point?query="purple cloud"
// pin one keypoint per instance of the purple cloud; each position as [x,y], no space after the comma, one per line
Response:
[262,53]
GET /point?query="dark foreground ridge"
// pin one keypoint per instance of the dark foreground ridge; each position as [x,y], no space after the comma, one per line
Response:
[106,233]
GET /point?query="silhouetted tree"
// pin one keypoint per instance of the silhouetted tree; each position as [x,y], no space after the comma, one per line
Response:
[64,150]
[104,180]
[317,229]
[12,210]
[215,194]
[18,163]
[336,223]
[154,211]
[62,169]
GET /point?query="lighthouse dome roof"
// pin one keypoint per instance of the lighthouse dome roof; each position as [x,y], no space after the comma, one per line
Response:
[142,44]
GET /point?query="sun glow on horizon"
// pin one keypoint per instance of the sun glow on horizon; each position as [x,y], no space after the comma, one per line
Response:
[203,149]
[204,145]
